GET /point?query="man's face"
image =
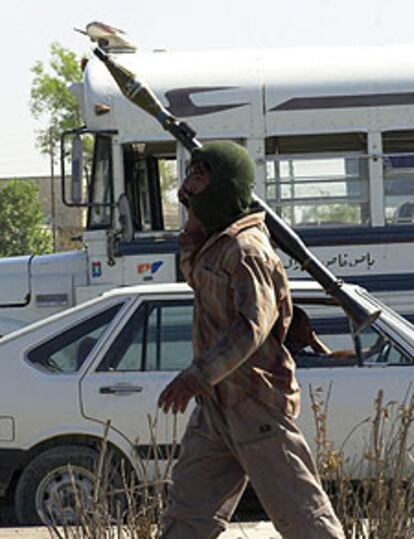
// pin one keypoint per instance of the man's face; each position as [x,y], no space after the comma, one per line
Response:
[198,177]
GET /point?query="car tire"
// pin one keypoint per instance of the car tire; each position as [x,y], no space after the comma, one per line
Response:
[44,493]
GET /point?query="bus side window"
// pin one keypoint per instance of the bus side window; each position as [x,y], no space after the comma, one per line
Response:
[101,188]
[314,180]
[398,167]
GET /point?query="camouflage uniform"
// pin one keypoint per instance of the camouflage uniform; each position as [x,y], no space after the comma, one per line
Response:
[245,427]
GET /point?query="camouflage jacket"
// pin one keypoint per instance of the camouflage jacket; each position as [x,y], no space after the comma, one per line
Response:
[241,314]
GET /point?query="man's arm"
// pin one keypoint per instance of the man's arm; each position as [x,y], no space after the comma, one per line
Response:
[178,393]
[257,311]
[317,344]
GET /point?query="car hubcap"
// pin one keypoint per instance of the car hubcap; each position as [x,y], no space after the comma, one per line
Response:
[63,494]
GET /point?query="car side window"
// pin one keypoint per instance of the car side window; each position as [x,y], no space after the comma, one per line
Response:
[67,351]
[169,344]
[321,340]
[158,337]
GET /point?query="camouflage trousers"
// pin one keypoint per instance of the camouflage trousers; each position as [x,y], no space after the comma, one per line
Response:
[223,448]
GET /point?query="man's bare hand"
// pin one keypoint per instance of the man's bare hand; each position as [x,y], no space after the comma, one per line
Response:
[179,392]
[183,196]
[192,224]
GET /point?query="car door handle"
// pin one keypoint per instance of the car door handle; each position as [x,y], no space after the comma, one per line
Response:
[123,389]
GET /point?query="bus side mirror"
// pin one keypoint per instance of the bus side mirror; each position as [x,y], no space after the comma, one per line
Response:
[77,169]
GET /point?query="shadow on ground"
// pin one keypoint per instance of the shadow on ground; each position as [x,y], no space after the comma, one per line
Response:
[249,510]
[7,515]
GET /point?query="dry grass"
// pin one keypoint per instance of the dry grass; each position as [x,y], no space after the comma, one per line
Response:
[380,504]
[125,504]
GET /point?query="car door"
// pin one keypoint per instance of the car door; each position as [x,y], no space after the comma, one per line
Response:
[154,344]
[351,390]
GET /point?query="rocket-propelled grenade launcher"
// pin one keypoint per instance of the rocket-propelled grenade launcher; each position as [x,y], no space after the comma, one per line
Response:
[143,97]
[282,234]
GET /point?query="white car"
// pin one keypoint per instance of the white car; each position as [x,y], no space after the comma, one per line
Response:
[63,378]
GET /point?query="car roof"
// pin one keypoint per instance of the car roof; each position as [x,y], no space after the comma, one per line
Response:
[296,286]
[302,291]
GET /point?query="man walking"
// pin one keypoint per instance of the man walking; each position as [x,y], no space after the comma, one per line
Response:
[242,376]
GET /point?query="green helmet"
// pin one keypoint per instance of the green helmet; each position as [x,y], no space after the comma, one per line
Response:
[229,194]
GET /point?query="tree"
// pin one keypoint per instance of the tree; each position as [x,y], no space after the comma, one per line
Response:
[51,98]
[338,213]
[22,220]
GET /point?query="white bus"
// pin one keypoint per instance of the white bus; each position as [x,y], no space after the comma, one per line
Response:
[331,132]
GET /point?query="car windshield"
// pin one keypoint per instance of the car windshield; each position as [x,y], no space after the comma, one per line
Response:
[377,348]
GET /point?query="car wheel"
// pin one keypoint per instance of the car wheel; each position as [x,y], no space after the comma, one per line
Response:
[45,492]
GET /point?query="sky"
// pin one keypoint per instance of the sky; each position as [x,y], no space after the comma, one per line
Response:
[29,27]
